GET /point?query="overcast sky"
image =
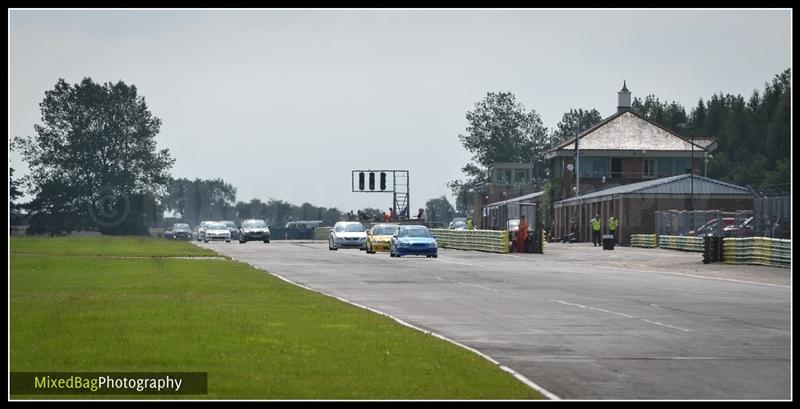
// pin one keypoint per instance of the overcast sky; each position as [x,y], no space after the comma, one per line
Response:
[285,103]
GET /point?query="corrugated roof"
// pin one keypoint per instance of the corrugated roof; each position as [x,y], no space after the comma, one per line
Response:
[673,185]
[529,196]
[628,130]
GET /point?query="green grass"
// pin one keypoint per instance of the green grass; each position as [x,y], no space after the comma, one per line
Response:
[256,336]
[107,246]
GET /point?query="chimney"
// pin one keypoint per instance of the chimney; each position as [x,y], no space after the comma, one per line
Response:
[624,98]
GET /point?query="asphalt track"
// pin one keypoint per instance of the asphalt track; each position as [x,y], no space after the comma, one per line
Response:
[581,322]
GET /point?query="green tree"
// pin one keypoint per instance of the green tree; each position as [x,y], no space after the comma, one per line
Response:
[499,129]
[573,123]
[94,161]
[200,199]
[668,115]
[440,210]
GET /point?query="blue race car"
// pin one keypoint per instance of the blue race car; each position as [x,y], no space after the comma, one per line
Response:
[416,240]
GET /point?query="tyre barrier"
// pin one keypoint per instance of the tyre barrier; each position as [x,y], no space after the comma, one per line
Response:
[757,250]
[648,241]
[494,241]
[321,233]
[684,243]
[712,249]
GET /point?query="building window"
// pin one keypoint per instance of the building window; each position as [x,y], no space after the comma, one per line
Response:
[594,167]
[616,168]
[682,166]
[649,168]
[664,167]
[521,176]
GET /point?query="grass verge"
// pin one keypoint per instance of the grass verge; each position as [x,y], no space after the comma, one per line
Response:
[256,336]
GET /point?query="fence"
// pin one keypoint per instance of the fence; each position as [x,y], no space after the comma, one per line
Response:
[685,243]
[494,241]
[772,217]
[644,240]
[757,250]
[703,222]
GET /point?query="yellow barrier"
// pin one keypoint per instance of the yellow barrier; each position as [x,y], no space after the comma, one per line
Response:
[644,240]
[495,241]
[757,250]
[685,243]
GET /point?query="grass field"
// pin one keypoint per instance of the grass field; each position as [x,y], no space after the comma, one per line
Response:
[75,307]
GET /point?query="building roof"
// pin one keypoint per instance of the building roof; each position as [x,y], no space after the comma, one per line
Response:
[630,131]
[519,199]
[624,87]
[680,185]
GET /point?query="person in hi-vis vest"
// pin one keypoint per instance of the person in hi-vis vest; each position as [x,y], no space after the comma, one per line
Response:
[596,228]
[612,227]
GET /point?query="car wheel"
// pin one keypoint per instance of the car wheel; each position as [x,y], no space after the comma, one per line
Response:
[266,241]
[227,241]
[205,241]
[436,256]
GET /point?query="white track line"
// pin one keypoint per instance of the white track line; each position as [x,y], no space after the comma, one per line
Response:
[516,374]
[622,315]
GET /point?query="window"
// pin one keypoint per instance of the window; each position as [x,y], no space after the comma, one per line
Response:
[594,167]
[681,166]
[520,176]
[649,168]
[616,168]
[664,167]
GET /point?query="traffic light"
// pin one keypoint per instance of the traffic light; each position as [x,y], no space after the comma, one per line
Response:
[360,180]
[383,180]
[371,180]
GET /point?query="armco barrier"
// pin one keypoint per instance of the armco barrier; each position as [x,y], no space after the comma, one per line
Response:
[757,250]
[321,233]
[495,241]
[644,240]
[685,243]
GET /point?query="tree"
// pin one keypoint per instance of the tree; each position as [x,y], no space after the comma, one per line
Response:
[200,199]
[14,193]
[668,115]
[499,129]
[440,210]
[94,161]
[573,123]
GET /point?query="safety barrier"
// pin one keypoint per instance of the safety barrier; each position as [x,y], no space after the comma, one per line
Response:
[644,240]
[757,250]
[495,241]
[685,243]
[321,233]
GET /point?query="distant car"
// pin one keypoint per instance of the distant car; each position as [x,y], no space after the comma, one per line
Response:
[416,240]
[379,237]
[201,231]
[713,227]
[232,228]
[216,231]
[347,235]
[181,231]
[168,235]
[745,229]
[458,225]
[254,230]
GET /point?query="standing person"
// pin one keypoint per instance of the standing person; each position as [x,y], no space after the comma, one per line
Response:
[424,215]
[494,222]
[387,215]
[612,227]
[596,227]
[419,214]
[392,215]
[470,226]
[522,234]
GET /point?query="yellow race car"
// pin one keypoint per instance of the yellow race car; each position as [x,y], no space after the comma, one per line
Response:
[379,237]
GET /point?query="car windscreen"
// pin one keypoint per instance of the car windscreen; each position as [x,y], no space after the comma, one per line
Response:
[459,224]
[384,230]
[229,224]
[216,226]
[350,227]
[414,233]
[182,226]
[255,223]
[513,224]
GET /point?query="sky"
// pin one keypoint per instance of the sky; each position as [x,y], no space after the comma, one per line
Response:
[284,104]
